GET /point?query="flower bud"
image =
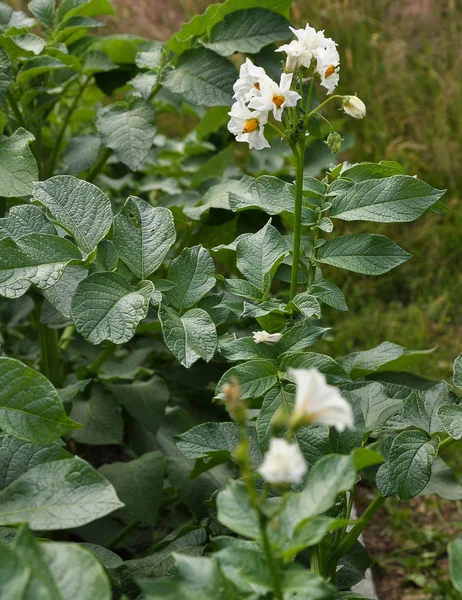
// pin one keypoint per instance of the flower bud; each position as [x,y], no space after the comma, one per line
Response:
[233,400]
[334,141]
[354,107]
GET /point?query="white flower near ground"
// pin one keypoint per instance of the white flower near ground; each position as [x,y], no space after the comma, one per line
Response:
[275,97]
[354,107]
[248,84]
[300,52]
[248,126]
[283,463]
[265,337]
[318,402]
[327,64]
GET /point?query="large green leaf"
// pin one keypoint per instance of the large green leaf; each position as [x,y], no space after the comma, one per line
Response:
[450,416]
[37,66]
[143,235]
[13,574]
[18,166]
[44,11]
[84,8]
[106,307]
[203,78]
[247,31]
[24,219]
[139,484]
[17,457]
[326,479]
[443,482]
[312,360]
[190,336]
[30,408]
[128,130]
[58,495]
[306,304]
[236,512]
[366,253]
[270,194]
[5,73]
[79,207]
[255,377]
[50,575]
[258,254]
[455,563]
[376,405]
[61,293]
[201,24]
[101,419]
[422,408]
[409,465]
[360,363]
[192,273]
[36,258]
[397,199]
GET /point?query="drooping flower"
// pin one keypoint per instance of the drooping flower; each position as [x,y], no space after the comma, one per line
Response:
[275,97]
[265,337]
[283,463]
[300,52]
[327,64]
[354,107]
[248,126]
[248,84]
[318,402]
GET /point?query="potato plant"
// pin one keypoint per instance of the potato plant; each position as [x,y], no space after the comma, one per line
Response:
[168,429]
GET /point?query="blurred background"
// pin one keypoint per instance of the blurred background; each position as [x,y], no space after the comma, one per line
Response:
[403,58]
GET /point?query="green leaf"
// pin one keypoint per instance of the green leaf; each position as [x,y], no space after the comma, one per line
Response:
[84,8]
[17,457]
[367,170]
[44,11]
[376,405]
[192,273]
[214,167]
[450,416]
[455,563]
[145,401]
[270,194]
[190,336]
[300,337]
[366,457]
[201,24]
[58,495]
[258,254]
[245,560]
[50,578]
[36,66]
[29,42]
[128,130]
[328,293]
[139,484]
[255,377]
[25,219]
[307,304]
[106,307]
[331,475]
[61,293]
[81,153]
[143,235]
[203,78]
[17,163]
[421,409]
[409,464]
[5,74]
[369,254]
[313,360]
[305,585]
[101,419]
[458,371]
[79,207]
[245,348]
[236,512]
[13,574]
[443,482]
[247,31]
[397,199]
[35,258]
[310,533]
[359,364]
[30,408]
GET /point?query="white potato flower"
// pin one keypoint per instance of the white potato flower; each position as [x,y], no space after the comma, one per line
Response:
[327,64]
[248,84]
[318,402]
[283,463]
[275,97]
[300,52]
[248,126]
[265,337]
[354,107]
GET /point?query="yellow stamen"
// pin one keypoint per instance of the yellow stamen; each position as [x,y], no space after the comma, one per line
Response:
[330,70]
[251,125]
[278,100]
[256,85]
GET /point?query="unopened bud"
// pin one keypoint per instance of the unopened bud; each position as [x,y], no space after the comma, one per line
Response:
[233,400]
[354,107]
[334,141]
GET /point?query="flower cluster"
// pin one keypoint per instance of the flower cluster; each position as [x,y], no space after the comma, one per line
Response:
[255,90]
[315,402]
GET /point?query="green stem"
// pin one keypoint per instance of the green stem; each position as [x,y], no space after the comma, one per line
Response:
[65,123]
[15,108]
[298,197]
[357,529]
[99,164]
[122,533]
[446,443]
[66,337]
[50,361]
[274,571]
[320,106]
[101,358]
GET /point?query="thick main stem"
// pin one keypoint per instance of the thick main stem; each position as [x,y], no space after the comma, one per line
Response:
[300,165]
[275,577]
[50,361]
